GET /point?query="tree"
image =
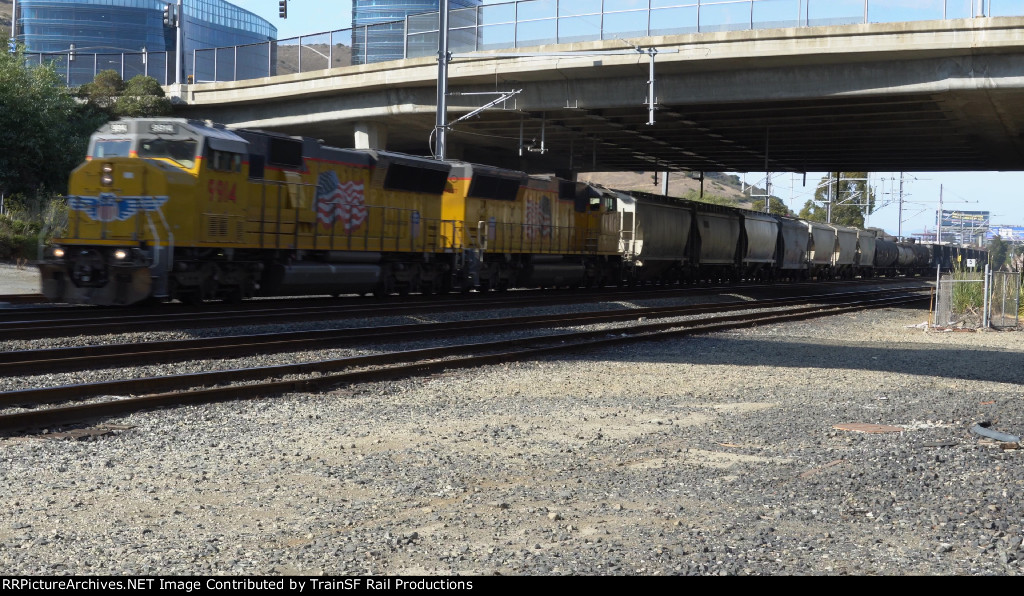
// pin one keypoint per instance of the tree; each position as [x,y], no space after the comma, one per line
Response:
[775,206]
[44,131]
[104,90]
[143,97]
[851,198]
[997,250]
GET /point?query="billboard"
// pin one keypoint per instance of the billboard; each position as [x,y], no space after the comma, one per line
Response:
[1006,233]
[965,219]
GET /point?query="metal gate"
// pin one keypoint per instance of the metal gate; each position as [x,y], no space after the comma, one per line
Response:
[960,300]
[1004,301]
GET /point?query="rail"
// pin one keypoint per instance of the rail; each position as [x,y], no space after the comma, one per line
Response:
[524,23]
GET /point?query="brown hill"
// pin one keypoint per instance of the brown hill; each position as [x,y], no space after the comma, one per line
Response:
[727,186]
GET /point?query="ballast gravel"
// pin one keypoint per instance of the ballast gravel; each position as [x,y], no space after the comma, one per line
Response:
[723,454]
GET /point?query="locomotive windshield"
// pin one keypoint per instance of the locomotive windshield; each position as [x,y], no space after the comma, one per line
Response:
[112,148]
[180,151]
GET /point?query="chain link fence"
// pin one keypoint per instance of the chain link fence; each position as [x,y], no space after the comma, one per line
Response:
[971,300]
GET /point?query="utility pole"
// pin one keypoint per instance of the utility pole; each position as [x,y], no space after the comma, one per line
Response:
[899,225]
[831,198]
[179,39]
[172,18]
[443,57]
[938,223]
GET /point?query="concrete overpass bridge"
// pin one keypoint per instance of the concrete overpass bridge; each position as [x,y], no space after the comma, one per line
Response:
[939,95]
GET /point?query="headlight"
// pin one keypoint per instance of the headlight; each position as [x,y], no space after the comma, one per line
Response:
[58,253]
[107,179]
[120,254]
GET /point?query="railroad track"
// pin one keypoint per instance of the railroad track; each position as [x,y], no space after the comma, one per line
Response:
[323,375]
[23,324]
[29,362]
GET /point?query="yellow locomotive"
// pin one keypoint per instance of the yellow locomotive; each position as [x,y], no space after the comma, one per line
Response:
[167,208]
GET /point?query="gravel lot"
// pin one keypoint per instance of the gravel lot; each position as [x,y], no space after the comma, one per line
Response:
[707,455]
[18,280]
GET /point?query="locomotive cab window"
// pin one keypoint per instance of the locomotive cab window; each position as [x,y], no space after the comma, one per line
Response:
[180,151]
[224,161]
[112,148]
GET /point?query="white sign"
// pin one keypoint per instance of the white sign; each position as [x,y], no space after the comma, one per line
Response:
[972,262]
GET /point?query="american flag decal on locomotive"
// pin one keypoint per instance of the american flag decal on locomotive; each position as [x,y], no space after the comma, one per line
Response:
[538,217]
[336,201]
[108,207]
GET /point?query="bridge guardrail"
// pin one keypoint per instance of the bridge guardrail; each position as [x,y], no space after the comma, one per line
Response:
[523,23]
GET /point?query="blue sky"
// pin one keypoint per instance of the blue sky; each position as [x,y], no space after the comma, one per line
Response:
[1001,193]
[304,16]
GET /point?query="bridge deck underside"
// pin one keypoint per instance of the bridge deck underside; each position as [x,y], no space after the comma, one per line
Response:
[909,133]
[929,96]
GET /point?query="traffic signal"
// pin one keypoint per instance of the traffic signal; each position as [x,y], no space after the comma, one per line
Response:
[168,16]
[282,9]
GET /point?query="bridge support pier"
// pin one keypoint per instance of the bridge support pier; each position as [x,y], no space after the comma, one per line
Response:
[370,135]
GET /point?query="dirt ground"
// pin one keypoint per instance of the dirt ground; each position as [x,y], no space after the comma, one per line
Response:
[15,279]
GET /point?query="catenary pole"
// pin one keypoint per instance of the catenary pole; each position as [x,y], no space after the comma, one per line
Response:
[441,123]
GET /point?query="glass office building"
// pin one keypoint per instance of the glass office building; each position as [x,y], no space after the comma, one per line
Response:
[131,29]
[373,41]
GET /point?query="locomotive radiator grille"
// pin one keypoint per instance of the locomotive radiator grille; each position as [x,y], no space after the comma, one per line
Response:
[222,228]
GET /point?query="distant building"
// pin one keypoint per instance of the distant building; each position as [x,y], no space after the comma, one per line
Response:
[95,30]
[374,42]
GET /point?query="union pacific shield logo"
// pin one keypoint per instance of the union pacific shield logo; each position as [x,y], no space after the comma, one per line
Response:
[108,207]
